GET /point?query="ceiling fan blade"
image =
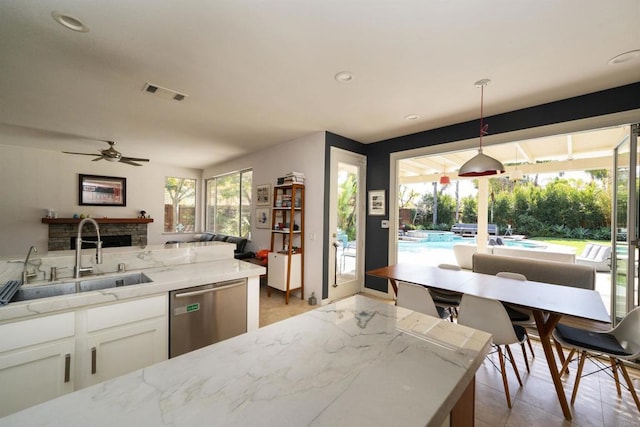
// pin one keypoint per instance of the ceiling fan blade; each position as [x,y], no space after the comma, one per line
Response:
[128,161]
[97,158]
[82,154]
[135,159]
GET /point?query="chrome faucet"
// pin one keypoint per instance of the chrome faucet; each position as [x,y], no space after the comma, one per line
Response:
[25,273]
[78,269]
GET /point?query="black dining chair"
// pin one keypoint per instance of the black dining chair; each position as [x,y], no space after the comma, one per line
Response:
[619,344]
[448,300]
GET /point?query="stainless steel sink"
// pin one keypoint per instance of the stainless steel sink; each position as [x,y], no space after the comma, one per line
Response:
[82,285]
[87,285]
[45,291]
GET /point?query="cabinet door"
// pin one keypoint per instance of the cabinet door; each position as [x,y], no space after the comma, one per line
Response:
[120,350]
[35,374]
[278,264]
[36,361]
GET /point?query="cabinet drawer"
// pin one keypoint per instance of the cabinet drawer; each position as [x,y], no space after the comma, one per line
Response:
[126,312]
[36,331]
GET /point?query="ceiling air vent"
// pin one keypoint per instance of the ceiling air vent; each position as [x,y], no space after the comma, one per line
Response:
[163,92]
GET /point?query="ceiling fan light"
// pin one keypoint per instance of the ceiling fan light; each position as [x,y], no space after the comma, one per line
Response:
[481,165]
[112,159]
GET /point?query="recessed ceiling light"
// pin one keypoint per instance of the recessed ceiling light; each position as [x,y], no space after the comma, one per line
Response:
[625,57]
[344,76]
[411,117]
[69,22]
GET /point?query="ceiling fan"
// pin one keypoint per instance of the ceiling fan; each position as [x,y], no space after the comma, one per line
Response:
[112,155]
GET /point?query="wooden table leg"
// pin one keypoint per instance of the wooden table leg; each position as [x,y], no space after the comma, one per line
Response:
[544,331]
[394,285]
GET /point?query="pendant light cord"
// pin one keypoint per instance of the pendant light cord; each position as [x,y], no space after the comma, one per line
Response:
[483,128]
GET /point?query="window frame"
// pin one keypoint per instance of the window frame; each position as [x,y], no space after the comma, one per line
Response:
[210,220]
[195,205]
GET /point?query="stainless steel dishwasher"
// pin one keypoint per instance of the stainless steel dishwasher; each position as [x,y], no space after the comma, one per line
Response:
[206,314]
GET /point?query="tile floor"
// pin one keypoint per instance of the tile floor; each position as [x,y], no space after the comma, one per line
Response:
[535,403]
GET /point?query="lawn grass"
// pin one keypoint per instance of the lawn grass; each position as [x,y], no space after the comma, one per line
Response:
[578,244]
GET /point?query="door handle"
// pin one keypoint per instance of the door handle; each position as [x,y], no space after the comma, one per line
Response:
[94,354]
[67,367]
[206,291]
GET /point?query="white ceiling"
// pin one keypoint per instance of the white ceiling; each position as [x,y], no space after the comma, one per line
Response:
[559,153]
[262,72]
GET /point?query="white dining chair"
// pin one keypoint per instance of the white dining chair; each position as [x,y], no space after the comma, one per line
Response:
[520,316]
[489,315]
[417,298]
[618,344]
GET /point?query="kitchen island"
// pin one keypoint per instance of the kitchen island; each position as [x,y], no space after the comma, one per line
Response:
[354,362]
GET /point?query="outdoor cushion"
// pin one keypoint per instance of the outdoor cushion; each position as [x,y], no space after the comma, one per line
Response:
[597,341]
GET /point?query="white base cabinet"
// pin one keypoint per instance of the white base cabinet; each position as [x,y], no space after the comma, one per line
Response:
[46,357]
[37,358]
[122,338]
[277,276]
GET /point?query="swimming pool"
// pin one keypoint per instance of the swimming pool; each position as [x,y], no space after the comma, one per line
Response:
[424,244]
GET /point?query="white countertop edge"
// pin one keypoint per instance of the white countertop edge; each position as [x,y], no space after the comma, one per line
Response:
[165,279]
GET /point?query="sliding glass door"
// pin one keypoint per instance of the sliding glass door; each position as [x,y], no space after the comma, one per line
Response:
[624,257]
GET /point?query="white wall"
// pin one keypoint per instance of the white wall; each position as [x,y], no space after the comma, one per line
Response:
[304,155]
[33,180]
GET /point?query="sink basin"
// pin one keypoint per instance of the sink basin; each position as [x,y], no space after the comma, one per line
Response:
[46,291]
[26,293]
[87,285]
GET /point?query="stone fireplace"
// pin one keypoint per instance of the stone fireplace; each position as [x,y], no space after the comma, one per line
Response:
[113,231]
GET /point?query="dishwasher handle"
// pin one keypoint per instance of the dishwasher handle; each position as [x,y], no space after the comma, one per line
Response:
[206,291]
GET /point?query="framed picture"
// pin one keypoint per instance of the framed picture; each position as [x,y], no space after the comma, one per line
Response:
[376,202]
[262,218]
[96,190]
[263,195]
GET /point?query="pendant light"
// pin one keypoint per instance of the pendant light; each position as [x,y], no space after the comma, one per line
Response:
[481,164]
[444,179]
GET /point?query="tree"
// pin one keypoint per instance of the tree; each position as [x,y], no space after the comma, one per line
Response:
[347,202]
[406,197]
[469,209]
[179,190]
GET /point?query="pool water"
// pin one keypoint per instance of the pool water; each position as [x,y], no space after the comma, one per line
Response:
[425,244]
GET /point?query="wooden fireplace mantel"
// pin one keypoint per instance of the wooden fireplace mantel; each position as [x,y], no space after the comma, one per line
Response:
[98,220]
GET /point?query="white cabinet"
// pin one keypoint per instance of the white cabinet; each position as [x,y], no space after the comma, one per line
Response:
[122,338]
[46,357]
[278,264]
[37,359]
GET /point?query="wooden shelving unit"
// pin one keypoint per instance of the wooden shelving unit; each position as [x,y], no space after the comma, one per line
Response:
[286,259]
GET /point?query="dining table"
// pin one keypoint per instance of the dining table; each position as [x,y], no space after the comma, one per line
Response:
[548,302]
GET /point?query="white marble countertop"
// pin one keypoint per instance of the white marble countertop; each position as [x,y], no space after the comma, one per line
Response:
[354,362]
[168,277]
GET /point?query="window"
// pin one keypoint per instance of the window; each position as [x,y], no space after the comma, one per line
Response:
[179,205]
[228,201]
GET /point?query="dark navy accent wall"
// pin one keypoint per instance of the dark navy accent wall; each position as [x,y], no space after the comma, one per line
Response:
[605,102]
[376,252]
[332,140]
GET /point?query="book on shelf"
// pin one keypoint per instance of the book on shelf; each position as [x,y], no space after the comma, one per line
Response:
[292,178]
